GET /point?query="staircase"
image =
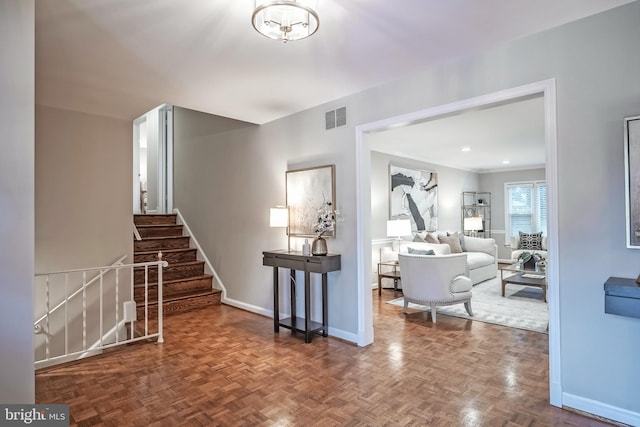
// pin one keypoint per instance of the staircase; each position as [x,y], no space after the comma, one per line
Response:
[185,283]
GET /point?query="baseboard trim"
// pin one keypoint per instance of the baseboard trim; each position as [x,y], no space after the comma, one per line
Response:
[555,394]
[601,409]
[333,332]
[247,307]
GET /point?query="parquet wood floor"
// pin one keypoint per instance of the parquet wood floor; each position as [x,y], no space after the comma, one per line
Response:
[221,366]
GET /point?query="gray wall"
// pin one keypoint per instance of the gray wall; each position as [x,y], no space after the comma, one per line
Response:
[17,84]
[84,173]
[451,183]
[494,183]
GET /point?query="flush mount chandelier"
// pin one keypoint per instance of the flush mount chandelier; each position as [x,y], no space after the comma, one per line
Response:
[285,20]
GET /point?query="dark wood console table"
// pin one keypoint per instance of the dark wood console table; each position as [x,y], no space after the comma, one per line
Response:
[309,264]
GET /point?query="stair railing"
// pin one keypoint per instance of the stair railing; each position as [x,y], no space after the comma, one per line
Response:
[107,338]
[136,233]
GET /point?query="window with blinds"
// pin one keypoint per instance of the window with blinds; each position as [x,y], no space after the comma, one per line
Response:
[526,207]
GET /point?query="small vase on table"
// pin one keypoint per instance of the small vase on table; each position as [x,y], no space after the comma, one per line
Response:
[319,246]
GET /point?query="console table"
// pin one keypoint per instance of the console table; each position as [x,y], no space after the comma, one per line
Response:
[309,264]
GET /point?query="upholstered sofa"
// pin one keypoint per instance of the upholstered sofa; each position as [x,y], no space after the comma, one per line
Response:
[517,249]
[482,259]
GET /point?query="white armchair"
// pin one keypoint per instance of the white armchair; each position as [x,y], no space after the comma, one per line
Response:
[516,250]
[434,280]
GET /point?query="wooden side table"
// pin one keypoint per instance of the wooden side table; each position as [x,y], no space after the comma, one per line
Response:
[394,274]
[309,264]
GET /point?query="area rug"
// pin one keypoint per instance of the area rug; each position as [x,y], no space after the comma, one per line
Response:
[522,307]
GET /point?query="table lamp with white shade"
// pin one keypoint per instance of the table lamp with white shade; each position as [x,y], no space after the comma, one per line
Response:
[473,225]
[398,228]
[279,217]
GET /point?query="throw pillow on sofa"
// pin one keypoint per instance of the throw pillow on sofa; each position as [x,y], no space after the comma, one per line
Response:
[452,241]
[461,237]
[531,241]
[431,238]
[420,251]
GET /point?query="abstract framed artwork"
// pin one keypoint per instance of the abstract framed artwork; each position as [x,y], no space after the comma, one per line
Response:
[413,194]
[632,179]
[307,189]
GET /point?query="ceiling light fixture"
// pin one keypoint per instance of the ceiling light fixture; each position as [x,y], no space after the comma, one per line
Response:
[466,149]
[285,20]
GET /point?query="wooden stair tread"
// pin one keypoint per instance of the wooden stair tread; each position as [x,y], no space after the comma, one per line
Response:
[188,279]
[178,264]
[161,238]
[164,251]
[167,219]
[182,297]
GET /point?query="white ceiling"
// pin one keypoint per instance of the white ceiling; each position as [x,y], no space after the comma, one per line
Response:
[505,137]
[121,58]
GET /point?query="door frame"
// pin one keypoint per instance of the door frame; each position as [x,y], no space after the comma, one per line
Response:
[165,158]
[546,88]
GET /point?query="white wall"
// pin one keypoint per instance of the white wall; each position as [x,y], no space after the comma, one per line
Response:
[17,85]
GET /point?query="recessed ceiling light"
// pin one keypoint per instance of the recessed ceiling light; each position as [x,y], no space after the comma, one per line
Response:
[465,149]
[505,162]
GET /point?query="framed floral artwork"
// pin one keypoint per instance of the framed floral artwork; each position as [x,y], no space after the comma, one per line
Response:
[308,190]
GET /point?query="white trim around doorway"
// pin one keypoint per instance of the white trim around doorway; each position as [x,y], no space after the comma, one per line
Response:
[546,88]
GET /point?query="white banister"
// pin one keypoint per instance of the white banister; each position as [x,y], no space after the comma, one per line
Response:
[136,233]
[160,338]
[117,263]
[104,316]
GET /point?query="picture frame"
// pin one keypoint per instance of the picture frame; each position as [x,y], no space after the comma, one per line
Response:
[632,180]
[413,194]
[306,191]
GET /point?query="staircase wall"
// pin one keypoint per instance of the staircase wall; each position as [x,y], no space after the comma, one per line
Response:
[83,194]
[83,189]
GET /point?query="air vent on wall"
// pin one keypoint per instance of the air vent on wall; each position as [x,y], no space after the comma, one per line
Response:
[335,118]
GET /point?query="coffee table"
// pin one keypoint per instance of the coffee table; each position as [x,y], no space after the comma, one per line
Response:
[524,277]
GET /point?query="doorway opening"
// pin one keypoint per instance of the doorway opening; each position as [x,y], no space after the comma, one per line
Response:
[363,206]
[153,161]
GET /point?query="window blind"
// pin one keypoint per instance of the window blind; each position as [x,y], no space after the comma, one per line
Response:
[526,207]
